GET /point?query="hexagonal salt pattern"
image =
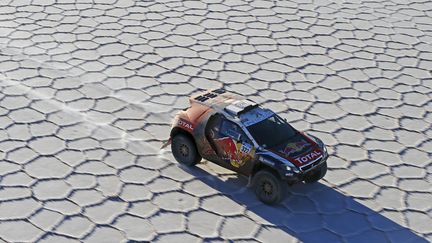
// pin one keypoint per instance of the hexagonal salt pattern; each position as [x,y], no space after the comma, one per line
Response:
[88,90]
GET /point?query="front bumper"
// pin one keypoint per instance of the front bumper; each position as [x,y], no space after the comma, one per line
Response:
[305,171]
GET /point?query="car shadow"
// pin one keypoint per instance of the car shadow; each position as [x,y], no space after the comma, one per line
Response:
[311,212]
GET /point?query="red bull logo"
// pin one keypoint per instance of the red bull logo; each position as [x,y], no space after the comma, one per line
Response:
[228,147]
[294,147]
[235,152]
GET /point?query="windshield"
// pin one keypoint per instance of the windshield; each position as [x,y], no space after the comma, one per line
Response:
[271,132]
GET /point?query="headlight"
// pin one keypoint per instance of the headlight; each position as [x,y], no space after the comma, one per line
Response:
[291,169]
[324,148]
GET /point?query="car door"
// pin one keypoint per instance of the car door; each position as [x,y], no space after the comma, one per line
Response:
[232,145]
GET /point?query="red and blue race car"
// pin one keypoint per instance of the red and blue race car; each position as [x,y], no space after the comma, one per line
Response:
[238,134]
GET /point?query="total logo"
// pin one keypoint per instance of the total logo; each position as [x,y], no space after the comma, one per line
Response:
[309,157]
[185,124]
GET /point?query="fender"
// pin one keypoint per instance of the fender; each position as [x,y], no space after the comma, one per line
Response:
[180,122]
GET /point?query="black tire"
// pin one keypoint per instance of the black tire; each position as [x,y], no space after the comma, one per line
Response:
[184,150]
[318,174]
[268,187]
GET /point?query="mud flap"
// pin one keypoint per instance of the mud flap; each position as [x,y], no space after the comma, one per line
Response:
[249,184]
[166,143]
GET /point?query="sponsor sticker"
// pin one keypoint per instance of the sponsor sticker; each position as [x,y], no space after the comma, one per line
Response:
[309,157]
[185,124]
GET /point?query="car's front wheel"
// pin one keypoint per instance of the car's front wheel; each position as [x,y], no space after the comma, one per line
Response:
[317,174]
[184,150]
[268,187]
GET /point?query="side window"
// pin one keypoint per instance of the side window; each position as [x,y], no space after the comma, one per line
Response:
[229,129]
[232,130]
[214,124]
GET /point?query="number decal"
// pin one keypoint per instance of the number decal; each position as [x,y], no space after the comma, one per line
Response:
[245,148]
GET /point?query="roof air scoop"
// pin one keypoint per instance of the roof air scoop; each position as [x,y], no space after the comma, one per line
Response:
[240,106]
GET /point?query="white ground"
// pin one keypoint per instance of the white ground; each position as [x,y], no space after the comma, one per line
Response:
[88,91]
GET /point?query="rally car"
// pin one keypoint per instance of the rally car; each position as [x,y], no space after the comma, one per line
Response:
[238,134]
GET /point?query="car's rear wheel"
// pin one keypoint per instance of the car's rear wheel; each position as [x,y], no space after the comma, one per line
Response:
[268,187]
[184,150]
[317,174]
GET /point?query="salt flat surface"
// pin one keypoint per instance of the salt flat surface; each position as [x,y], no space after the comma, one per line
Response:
[88,91]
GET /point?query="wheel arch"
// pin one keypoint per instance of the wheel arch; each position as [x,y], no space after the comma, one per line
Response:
[262,166]
[178,130]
